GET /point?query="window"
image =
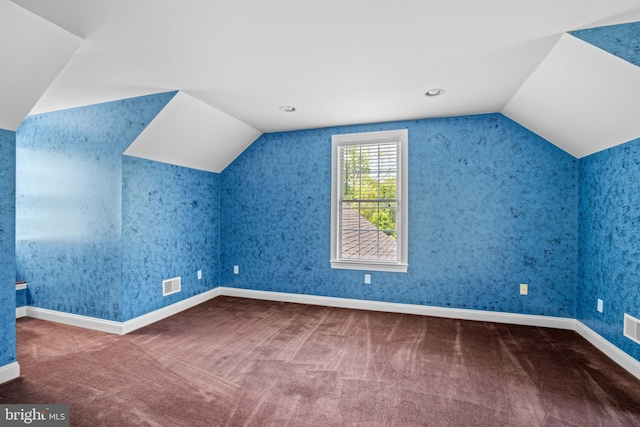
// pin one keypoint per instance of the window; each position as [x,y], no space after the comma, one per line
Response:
[369,201]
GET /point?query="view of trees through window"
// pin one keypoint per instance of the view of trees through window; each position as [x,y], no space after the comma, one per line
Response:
[369,183]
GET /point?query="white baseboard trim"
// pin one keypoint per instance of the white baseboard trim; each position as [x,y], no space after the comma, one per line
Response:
[119,328]
[605,346]
[170,310]
[452,313]
[21,312]
[9,372]
[87,322]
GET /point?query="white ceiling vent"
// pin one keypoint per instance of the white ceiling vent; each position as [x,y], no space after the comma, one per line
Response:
[632,328]
[171,286]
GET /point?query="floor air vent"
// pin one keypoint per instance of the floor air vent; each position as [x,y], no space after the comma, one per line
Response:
[632,328]
[170,286]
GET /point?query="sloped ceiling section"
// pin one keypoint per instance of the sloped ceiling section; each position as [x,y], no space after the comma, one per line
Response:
[580,98]
[347,62]
[33,51]
[190,133]
[630,15]
[90,78]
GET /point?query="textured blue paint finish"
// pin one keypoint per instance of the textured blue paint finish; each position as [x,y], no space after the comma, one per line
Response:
[21,298]
[7,247]
[171,226]
[621,40]
[491,206]
[69,203]
[609,239]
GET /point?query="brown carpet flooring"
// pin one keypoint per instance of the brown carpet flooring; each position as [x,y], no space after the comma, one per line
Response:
[242,362]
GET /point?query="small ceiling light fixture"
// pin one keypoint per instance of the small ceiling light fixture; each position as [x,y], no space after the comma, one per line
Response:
[434,92]
[287,109]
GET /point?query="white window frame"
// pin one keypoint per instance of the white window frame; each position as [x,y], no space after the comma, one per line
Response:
[402,137]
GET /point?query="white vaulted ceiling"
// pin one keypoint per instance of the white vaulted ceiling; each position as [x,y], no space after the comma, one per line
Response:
[188,132]
[341,62]
[32,52]
[581,98]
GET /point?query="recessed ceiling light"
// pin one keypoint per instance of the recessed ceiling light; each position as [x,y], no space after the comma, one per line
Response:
[287,109]
[434,92]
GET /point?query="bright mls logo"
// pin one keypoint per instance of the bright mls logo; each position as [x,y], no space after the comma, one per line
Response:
[34,415]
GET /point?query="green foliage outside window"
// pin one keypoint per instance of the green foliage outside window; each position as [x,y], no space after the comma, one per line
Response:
[373,190]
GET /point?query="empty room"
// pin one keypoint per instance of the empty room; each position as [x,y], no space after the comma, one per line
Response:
[412,213]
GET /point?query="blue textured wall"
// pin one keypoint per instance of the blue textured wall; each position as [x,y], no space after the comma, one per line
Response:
[69,203]
[621,40]
[170,217]
[21,298]
[7,247]
[491,206]
[609,238]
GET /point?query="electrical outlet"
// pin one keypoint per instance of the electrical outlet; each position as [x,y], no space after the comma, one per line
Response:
[367,279]
[600,306]
[524,289]
[199,274]
[236,269]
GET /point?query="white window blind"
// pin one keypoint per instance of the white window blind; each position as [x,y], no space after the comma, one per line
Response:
[368,201]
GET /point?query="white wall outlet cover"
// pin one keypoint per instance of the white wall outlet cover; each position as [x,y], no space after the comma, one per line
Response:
[367,279]
[199,274]
[600,305]
[524,289]
[236,269]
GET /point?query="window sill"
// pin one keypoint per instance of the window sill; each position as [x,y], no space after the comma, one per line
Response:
[369,266]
